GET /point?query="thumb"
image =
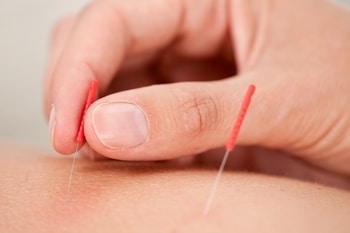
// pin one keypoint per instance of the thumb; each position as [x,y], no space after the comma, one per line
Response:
[172,120]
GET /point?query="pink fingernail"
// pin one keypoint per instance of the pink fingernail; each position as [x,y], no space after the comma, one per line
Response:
[120,125]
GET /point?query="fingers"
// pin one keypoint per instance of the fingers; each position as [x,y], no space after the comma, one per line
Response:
[94,50]
[168,121]
[103,35]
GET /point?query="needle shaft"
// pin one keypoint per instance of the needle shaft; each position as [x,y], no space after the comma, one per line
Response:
[71,173]
[216,183]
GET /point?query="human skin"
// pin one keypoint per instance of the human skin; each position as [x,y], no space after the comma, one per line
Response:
[295,52]
[115,196]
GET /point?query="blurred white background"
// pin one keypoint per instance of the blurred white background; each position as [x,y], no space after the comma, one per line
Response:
[25,26]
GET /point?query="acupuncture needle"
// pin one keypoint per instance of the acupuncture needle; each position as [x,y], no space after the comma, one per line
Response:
[230,145]
[80,137]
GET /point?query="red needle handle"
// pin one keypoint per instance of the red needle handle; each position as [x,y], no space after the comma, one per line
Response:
[240,117]
[80,138]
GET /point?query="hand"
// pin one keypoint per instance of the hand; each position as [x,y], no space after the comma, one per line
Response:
[295,52]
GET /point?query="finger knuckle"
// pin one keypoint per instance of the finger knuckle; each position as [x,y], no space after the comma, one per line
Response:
[198,111]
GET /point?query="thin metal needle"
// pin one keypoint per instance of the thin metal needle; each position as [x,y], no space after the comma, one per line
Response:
[216,183]
[71,173]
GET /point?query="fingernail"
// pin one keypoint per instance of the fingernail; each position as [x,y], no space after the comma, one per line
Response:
[52,123]
[120,125]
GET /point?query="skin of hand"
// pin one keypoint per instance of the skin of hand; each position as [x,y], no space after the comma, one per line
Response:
[172,74]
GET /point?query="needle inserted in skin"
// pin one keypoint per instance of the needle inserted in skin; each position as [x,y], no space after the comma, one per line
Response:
[71,172]
[80,138]
[230,144]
